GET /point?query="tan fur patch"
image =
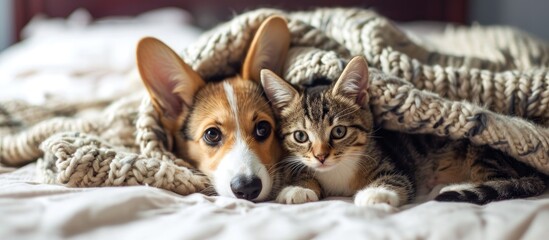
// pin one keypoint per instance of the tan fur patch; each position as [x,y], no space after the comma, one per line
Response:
[451,169]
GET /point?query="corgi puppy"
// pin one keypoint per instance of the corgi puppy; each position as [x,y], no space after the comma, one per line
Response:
[224,128]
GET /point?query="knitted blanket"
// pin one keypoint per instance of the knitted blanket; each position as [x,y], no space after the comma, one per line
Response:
[485,84]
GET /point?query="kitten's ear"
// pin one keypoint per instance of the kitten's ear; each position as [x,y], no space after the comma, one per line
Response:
[171,83]
[279,92]
[268,48]
[354,81]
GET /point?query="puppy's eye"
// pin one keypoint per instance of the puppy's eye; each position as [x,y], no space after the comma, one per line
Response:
[338,132]
[212,136]
[262,130]
[301,136]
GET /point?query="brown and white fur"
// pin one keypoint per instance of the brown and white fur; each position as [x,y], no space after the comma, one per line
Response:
[335,149]
[224,128]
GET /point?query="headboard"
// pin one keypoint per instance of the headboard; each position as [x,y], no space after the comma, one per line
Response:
[210,12]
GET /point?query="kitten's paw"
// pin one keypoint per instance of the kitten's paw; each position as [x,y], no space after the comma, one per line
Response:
[457,187]
[296,195]
[373,196]
[465,192]
[449,196]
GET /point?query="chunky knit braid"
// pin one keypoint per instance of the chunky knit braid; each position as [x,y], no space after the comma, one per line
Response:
[82,160]
[482,83]
[398,105]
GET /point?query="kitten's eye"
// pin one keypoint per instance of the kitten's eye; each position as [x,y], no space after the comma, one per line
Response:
[338,132]
[262,130]
[212,136]
[301,136]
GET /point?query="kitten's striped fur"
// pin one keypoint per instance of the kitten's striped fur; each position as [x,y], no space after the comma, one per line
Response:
[344,154]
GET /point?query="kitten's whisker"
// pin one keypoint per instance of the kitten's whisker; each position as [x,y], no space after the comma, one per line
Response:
[376,130]
[359,155]
[294,166]
[369,136]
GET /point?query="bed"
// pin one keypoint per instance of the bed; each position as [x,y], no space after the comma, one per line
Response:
[79,58]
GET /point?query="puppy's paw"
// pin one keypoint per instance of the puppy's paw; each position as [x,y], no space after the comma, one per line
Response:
[376,196]
[296,195]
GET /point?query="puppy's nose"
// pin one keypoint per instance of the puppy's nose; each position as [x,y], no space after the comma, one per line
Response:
[246,187]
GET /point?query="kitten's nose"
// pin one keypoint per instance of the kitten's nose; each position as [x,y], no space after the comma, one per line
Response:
[321,157]
[246,187]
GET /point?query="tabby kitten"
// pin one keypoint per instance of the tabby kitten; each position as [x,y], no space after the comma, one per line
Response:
[333,150]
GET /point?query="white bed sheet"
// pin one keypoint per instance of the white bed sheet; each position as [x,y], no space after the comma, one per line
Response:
[29,210]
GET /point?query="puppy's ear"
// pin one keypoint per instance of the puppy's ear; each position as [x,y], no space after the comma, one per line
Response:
[268,48]
[171,83]
[279,92]
[354,81]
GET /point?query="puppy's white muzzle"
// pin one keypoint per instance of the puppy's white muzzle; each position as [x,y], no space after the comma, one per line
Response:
[241,174]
